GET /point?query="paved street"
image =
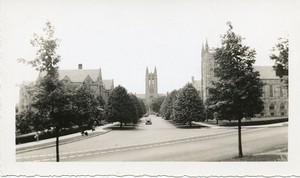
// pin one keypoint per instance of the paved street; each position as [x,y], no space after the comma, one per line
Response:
[162,141]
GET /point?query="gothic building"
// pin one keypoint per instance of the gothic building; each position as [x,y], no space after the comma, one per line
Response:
[74,78]
[151,86]
[275,95]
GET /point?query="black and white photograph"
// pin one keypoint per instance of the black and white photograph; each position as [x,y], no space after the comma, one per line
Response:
[140,87]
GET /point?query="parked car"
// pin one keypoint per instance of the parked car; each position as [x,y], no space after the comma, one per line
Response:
[148,122]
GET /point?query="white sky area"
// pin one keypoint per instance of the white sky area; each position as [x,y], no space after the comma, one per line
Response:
[122,37]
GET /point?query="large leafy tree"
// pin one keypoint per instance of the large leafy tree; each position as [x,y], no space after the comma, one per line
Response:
[136,110]
[167,107]
[188,107]
[51,100]
[281,57]
[119,106]
[85,107]
[237,90]
[156,104]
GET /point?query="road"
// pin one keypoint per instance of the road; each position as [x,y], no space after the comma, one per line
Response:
[162,141]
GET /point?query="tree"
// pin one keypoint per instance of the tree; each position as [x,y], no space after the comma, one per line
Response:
[188,107]
[50,99]
[281,57]
[237,90]
[167,108]
[84,106]
[119,106]
[100,109]
[156,104]
[136,110]
[143,106]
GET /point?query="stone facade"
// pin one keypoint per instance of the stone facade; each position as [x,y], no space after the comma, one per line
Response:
[75,78]
[25,95]
[275,95]
[151,86]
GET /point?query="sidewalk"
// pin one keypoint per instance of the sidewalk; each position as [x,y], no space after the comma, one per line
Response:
[62,140]
[207,125]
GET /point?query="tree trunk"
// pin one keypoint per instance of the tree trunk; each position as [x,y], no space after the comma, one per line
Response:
[121,124]
[57,145]
[190,123]
[240,137]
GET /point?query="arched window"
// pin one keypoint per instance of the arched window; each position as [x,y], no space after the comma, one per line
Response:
[282,106]
[271,107]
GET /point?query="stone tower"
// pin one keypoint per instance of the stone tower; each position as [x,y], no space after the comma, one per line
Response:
[207,70]
[151,86]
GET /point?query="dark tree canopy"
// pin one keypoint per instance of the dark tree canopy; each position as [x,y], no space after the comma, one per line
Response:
[136,109]
[84,106]
[50,100]
[237,90]
[188,107]
[167,106]
[119,106]
[156,104]
[281,57]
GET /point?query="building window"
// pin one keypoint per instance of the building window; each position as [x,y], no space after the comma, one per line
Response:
[282,106]
[272,114]
[281,92]
[262,114]
[271,106]
[271,90]
[282,113]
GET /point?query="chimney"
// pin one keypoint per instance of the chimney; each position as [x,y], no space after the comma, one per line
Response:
[79,66]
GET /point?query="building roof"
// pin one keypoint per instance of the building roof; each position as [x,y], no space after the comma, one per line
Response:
[266,72]
[78,75]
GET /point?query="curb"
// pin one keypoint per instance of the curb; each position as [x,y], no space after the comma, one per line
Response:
[62,142]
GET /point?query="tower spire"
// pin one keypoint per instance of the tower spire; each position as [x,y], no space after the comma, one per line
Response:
[155,70]
[206,45]
[147,71]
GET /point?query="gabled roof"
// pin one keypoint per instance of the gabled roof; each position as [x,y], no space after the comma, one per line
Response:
[77,75]
[266,72]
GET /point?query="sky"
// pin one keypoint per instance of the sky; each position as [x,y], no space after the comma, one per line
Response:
[123,37]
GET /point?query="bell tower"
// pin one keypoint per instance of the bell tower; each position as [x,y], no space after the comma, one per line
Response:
[151,87]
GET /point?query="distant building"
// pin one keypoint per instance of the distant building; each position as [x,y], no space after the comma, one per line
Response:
[25,98]
[151,86]
[75,78]
[275,95]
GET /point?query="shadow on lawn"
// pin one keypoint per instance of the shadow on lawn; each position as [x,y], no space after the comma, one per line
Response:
[124,128]
[185,126]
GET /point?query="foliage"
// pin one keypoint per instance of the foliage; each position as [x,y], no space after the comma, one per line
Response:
[188,107]
[136,110]
[156,104]
[281,56]
[238,89]
[84,106]
[143,106]
[167,107]
[119,106]
[50,100]
[100,109]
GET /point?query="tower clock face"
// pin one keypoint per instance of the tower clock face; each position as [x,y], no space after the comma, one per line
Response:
[151,90]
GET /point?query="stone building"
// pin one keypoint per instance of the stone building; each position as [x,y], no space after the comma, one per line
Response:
[151,86]
[275,95]
[75,78]
[25,95]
